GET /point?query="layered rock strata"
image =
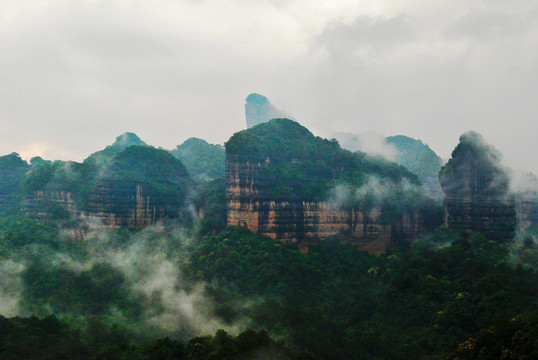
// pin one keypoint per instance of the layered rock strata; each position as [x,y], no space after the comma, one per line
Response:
[249,204]
[114,203]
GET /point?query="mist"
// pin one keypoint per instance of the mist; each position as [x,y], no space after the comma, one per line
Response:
[151,296]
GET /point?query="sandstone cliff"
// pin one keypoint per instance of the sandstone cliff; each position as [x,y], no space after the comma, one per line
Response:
[122,186]
[279,179]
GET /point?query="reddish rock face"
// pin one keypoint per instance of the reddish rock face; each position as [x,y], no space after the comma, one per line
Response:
[308,222]
[476,188]
[117,203]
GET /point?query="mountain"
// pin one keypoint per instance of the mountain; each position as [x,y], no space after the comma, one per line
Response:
[203,161]
[128,184]
[258,109]
[411,153]
[122,142]
[288,184]
[476,187]
[420,159]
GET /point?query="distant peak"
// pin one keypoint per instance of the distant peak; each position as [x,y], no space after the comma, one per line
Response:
[257,98]
[128,139]
[258,109]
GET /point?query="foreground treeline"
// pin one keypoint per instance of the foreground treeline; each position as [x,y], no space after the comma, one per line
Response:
[452,295]
[51,338]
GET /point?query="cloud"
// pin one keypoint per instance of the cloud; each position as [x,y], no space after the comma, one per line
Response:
[77,74]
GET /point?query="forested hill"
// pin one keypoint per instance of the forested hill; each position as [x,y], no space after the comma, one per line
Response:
[300,161]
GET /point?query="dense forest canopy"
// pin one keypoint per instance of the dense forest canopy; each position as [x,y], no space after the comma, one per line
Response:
[195,288]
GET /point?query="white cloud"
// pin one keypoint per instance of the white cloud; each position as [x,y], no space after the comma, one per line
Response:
[77,74]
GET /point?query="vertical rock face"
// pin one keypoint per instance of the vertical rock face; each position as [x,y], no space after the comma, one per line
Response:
[476,188]
[124,203]
[133,187]
[139,186]
[258,109]
[279,179]
[307,222]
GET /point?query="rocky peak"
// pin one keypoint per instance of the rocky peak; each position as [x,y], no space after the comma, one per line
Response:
[258,109]
[476,187]
[475,171]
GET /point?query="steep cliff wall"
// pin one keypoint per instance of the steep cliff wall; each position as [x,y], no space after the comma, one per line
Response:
[51,204]
[476,187]
[285,194]
[134,187]
[124,203]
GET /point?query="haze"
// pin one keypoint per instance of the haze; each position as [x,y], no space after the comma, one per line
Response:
[74,75]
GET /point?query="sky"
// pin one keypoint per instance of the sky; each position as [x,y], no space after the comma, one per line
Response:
[76,74]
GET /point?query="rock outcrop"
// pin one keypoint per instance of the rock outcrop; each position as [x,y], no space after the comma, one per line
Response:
[258,109]
[122,186]
[279,181]
[476,187]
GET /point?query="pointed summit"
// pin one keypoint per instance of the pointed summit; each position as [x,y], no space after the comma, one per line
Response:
[258,109]
[122,142]
[128,139]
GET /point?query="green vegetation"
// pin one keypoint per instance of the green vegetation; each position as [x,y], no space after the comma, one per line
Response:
[122,142]
[419,159]
[333,302]
[306,167]
[203,161]
[41,189]
[211,198]
[343,304]
[53,338]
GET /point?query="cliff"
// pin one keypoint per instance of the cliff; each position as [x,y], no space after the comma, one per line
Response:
[122,186]
[476,187]
[138,186]
[283,182]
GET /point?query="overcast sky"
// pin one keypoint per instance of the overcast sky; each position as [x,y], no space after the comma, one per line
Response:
[75,74]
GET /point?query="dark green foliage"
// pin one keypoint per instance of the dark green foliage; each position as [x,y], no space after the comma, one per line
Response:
[12,170]
[146,163]
[416,156]
[163,176]
[506,339]
[421,160]
[17,231]
[96,291]
[203,161]
[340,303]
[303,166]
[46,189]
[122,142]
[474,170]
[52,338]
[211,200]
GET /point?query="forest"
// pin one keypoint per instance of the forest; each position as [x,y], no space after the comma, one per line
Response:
[187,285]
